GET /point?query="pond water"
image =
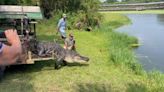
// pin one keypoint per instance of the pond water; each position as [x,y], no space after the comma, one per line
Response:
[149,29]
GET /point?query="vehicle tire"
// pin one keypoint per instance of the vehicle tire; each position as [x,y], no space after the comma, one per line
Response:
[2,69]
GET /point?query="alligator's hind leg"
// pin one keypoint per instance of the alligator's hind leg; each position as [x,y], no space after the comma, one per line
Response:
[41,50]
[2,69]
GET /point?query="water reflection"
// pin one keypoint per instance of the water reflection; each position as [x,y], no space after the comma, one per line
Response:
[160,18]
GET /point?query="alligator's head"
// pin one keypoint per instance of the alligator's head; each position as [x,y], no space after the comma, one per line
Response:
[74,57]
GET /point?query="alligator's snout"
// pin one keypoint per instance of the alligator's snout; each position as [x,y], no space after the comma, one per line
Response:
[87,59]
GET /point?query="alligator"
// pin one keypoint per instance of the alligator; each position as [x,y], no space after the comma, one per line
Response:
[63,56]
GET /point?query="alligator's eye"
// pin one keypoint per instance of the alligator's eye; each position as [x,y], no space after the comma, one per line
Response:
[77,57]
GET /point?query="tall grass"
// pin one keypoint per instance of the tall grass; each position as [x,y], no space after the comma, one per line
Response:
[121,52]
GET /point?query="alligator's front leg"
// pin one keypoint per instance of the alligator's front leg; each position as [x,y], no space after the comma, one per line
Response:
[58,63]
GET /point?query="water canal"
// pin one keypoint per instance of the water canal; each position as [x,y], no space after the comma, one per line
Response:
[149,29]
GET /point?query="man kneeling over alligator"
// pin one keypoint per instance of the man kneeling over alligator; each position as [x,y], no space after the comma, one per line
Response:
[62,55]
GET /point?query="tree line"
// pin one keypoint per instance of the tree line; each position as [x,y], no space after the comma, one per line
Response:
[70,6]
[49,6]
[84,10]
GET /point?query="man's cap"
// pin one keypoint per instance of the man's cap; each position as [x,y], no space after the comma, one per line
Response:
[64,15]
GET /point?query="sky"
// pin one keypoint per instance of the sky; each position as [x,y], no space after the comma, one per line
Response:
[102,0]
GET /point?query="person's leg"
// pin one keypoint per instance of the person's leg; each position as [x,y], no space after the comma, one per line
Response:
[74,48]
[63,35]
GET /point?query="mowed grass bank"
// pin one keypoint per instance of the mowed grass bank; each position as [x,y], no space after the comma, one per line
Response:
[112,66]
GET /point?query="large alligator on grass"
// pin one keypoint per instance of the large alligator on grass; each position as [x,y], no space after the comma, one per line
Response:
[46,49]
[62,55]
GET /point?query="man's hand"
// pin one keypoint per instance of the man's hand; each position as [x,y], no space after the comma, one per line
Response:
[12,37]
[11,53]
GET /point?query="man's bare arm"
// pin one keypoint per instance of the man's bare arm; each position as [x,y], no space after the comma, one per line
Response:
[10,53]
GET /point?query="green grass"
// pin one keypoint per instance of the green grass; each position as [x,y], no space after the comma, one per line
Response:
[112,66]
[138,12]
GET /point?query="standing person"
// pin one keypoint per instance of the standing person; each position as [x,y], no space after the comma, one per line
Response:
[26,24]
[70,43]
[9,54]
[62,26]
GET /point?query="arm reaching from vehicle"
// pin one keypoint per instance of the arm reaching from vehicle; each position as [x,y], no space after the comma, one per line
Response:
[10,52]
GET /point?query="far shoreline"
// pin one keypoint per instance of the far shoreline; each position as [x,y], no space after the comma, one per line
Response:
[136,12]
